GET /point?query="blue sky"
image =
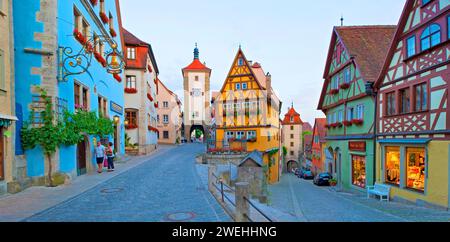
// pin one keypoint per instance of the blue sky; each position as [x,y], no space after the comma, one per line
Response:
[290,38]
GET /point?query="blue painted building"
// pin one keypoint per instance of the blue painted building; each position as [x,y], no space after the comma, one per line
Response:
[42,29]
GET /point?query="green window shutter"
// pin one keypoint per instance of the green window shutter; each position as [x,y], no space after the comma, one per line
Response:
[2,69]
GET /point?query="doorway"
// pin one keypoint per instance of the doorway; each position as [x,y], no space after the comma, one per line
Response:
[2,156]
[81,158]
[116,138]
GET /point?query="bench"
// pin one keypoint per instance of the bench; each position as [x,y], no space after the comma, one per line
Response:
[380,190]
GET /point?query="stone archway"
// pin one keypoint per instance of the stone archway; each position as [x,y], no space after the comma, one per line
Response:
[292,164]
[196,128]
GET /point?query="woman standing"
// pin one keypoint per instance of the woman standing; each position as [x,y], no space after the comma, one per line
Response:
[100,153]
[110,154]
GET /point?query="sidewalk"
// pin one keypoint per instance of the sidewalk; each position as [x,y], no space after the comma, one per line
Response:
[17,207]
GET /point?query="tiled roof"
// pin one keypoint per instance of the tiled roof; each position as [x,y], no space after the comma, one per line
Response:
[196,65]
[369,45]
[292,113]
[131,39]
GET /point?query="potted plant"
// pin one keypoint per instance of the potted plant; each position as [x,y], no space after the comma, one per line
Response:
[333,182]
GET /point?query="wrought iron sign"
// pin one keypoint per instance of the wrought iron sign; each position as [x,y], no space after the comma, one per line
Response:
[76,63]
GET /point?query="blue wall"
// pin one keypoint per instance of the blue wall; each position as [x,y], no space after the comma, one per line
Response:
[98,79]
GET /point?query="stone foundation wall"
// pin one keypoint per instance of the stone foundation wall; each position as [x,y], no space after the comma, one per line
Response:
[224,159]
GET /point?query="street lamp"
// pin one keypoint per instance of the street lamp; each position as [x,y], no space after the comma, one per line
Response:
[370,91]
[116,119]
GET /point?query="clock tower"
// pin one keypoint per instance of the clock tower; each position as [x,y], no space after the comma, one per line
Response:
[197,96]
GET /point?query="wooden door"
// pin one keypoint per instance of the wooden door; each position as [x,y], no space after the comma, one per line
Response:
[81,158]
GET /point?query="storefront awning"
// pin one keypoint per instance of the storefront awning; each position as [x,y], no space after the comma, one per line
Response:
[8,117]
[405,141]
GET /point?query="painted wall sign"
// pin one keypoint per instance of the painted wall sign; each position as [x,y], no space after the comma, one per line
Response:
[116,108]
[357,146]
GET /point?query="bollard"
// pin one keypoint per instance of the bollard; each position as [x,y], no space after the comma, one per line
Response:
[211,179]
[242,206]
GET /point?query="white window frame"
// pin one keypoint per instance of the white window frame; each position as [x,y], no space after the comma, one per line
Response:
[238,86]
[244,86]
[131,53]
[360,111]
[166,119]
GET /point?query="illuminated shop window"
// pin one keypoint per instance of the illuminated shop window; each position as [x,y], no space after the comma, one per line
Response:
[415,168]
[392,165]
[359,171]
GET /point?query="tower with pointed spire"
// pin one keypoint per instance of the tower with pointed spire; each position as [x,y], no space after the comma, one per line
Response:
[197,96]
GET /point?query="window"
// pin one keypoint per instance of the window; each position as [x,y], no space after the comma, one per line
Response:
[78,20]
[292,119]
[131,82]
[238,86]
[415,168]
[359,171]
[2,70]
[347,75]
[166,134]
[350,113]
[131,117]
[240,135]
[421,97]
[390,103]
[196,78]
[292,136]
[157,118]
[292,153]
[392,165]
[240,62]
[229,135]
[340,116]
[425,2]
[404,101]
[85,98]
[335,82]
[102,106]
[244,86]
[166,119]
[251,134]
[431,36]
[86,29]
[76,91]
[131,53]
[111,22]
[292,127]
[268,136]
[292,144]
[360,111]
[411,46]
[166,104]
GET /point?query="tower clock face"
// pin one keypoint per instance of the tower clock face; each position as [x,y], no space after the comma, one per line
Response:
[197,92]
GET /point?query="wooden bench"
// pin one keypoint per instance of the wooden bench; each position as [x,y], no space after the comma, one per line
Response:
[380,190]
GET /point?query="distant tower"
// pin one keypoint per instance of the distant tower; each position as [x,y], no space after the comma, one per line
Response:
[197,96]
[342,20]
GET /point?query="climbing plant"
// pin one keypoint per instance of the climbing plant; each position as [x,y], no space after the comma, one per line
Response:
[54,131]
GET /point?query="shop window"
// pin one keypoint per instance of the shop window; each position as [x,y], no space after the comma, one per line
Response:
[359,171]
[390,103]
[392,165]
[404,101]
[131,117]
[415,170]
[421,97]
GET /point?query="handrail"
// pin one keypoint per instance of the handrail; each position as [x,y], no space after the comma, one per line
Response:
[248,217]
[257,209]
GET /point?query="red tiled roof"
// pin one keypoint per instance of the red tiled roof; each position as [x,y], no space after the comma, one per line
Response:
[369,46]
[196,65]
[131,39]
[292,114]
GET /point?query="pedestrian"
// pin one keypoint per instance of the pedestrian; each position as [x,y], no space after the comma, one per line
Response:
[110,154]
[100,155]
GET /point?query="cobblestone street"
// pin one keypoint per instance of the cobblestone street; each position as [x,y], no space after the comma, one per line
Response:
[320,204]
[164,188]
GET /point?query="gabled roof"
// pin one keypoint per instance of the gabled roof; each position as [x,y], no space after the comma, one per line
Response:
[292,114]
[196,65]
[255,156]
[131,40]
[319,126]
[398,33]
[169,91]
[367,45]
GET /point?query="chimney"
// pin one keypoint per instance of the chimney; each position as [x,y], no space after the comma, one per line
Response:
[250,62]
[269,84]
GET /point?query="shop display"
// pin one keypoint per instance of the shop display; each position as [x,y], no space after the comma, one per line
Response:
[392,166]
[359,171]
[415,168]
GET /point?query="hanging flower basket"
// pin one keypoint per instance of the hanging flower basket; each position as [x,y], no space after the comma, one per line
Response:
[149,97]
[117,77]
[79,37]
[131,126]
[344,86]
[113,33]
[104,18]
[94,2]
[357,121]
[334,91]
[100,59]
[347,123]
[131,90]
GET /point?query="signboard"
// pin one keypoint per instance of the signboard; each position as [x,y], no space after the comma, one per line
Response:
[116,108]
[357,146]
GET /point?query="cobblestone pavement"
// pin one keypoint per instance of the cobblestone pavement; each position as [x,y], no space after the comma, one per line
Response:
[320,204]
[165,188]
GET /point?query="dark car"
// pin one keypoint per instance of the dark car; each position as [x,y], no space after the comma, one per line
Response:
[323,179]
[300,171]
[308,175]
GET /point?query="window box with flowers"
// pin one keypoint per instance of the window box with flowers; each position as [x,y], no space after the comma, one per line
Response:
[149,97]
[79,37]
[334,91]
[104,18]
[94,2]
[357,121]
[347,123]
[131,126]
[117,77]
[345,86]
[334,125]
[130,90]
[100,59]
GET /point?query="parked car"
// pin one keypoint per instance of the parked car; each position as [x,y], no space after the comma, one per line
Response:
[300,171]
[308,175]
[297,172]
[323,179]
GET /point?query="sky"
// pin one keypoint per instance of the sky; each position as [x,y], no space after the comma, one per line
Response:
[290,38]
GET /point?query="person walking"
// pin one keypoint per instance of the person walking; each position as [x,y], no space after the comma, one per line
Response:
[100,155]
[110,154]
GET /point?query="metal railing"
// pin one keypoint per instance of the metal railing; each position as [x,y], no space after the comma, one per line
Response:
[222,191]
[257,209]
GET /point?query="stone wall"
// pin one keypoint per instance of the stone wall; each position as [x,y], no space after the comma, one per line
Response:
[224,159]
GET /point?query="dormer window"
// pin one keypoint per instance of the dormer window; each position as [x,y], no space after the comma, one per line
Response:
[431,37]
[292,119]
[131,53]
